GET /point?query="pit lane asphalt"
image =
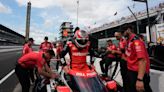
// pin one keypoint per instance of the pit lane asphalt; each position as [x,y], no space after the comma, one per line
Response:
[7,64]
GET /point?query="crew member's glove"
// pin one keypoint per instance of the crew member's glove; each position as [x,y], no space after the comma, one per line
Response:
[63,62]
[54,75]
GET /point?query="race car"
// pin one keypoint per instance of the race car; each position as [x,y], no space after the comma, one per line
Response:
[81,81]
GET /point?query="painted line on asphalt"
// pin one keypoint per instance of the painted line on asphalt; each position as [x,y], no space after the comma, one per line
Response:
[7,76]
[9,50]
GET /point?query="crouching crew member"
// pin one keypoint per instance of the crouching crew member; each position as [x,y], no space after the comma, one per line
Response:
[30,61]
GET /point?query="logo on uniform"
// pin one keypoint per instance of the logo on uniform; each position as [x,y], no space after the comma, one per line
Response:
[137,47]
[136,43]
[79,54]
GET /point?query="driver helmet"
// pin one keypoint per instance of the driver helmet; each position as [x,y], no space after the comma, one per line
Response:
[81,38]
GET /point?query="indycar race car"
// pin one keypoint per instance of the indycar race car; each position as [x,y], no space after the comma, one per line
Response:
[81,81]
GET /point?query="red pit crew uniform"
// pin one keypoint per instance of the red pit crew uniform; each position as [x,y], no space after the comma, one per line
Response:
[26,62]
[108,60]
[136,50]
[110,48]
[26,49]
[31,60]
[46,46]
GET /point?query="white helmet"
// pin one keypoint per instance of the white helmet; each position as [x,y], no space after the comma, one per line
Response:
[81,38]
